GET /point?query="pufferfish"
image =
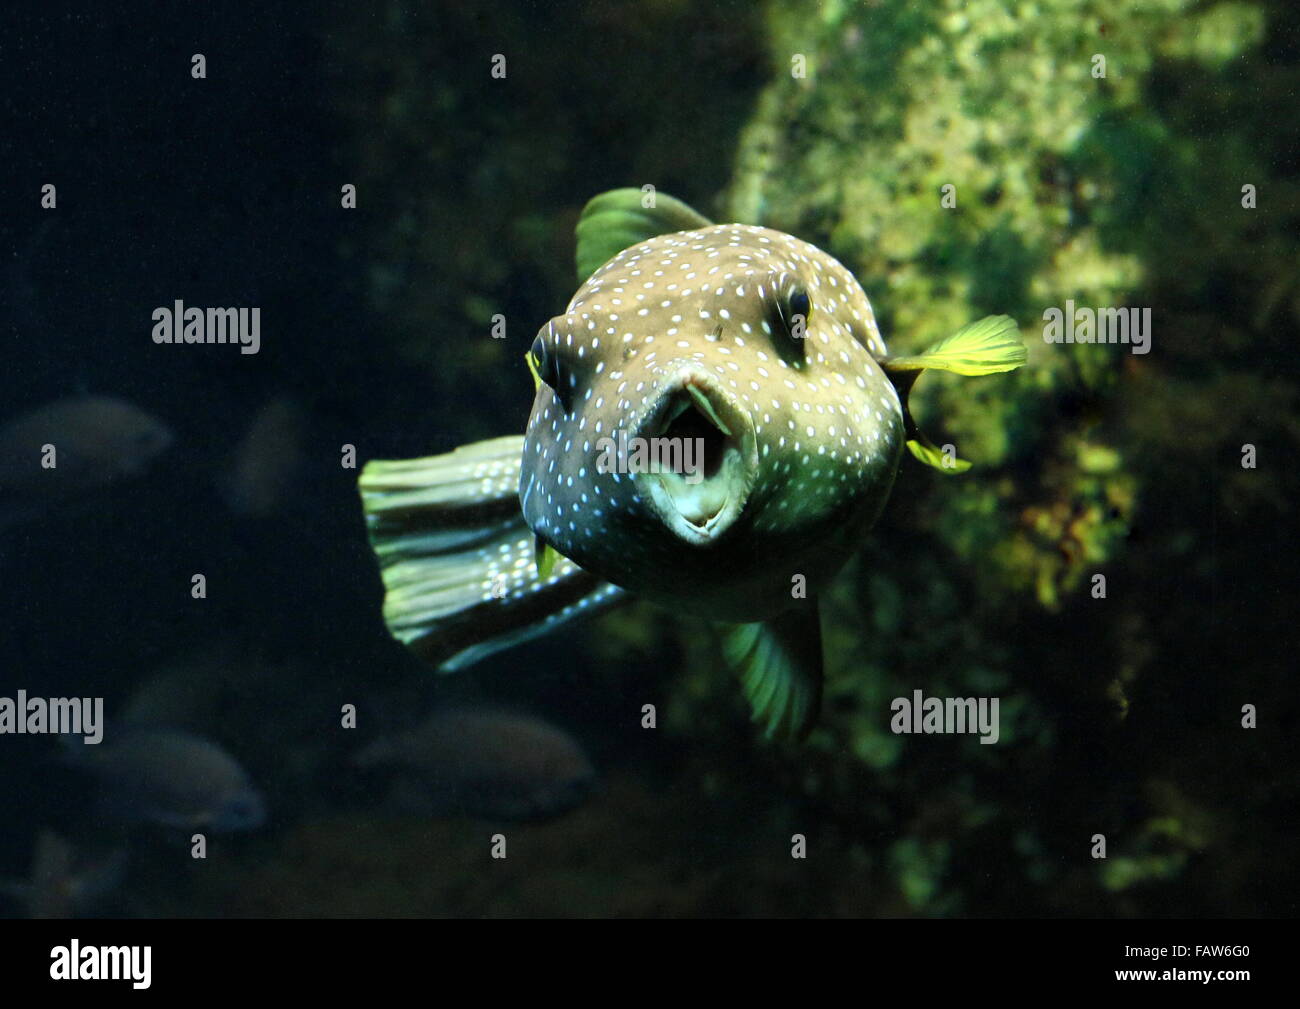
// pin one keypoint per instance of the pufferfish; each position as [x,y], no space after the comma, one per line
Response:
[757,348]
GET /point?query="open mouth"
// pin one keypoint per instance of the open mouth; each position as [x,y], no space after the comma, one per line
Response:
[710,442]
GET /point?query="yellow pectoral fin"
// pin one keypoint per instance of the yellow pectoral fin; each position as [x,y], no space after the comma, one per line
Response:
[986,347]
[930,454]
[532,369]
[545,557]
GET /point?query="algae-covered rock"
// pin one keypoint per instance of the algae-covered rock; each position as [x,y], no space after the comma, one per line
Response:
[1110,570]
[971,158]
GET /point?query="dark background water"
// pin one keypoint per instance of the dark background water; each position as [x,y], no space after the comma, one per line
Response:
[225,191]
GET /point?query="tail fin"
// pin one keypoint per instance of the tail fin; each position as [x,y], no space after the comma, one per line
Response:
[457,557]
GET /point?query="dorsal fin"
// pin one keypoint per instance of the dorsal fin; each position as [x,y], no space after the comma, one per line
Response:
[619,219]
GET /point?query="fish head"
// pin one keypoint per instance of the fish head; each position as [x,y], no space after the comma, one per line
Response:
[757,349]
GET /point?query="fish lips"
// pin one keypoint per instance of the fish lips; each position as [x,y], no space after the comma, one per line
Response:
[699,506]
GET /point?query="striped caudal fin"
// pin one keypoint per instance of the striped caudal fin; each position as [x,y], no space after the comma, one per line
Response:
[457,557]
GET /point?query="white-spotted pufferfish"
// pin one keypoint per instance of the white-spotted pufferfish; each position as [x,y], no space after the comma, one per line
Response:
[762,348]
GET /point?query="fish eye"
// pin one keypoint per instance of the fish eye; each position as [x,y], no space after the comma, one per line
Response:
[545,364]
[544,361]
[799,303]
[795,308]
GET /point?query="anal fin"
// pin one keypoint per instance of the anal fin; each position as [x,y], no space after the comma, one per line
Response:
[779,662]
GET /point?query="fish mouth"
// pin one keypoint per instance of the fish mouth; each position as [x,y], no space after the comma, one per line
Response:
[697,423]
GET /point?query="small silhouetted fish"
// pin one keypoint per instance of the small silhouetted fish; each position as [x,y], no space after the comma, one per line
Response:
[188,690]
[494,764]
[97,440]
[64,884]
[170,778]
[264,465]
